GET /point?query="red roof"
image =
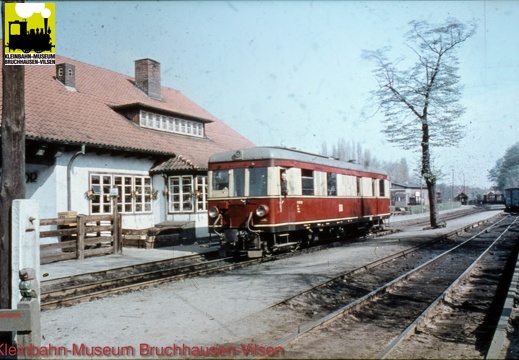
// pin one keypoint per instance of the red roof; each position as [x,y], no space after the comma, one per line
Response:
[87,116]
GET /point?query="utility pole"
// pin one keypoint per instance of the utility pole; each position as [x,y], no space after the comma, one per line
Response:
[452,189]
[12,185]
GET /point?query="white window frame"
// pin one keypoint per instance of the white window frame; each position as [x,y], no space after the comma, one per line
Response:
[135,193]
[201,192]
[171,124]
[187,194]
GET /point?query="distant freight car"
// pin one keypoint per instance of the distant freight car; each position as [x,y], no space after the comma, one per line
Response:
[512,199]
[493,198]
[265,199]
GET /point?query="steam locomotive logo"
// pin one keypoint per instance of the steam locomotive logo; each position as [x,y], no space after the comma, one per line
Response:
[29,27]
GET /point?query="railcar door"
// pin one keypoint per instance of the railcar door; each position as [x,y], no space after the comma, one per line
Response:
[368,199]
[285,210]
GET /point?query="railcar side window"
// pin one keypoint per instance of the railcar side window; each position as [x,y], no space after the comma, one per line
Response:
[382,189]
[258,182]
[332,184]
[239,182]
[220,179]
[307,182]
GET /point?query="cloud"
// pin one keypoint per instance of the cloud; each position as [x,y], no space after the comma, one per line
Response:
[25,11]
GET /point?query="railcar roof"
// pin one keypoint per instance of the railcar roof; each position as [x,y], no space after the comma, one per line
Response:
[281,153]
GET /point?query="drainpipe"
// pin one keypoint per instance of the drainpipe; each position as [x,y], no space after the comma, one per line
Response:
[166,197]
[69,173]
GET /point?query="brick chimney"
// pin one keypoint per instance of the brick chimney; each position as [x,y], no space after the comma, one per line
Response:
[147,77]
[66,74]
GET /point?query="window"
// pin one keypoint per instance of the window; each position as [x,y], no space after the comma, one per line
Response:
[220,179]
[135,193]
[142,193]
[171,124]
[124,185]
[359,182]
[201,192]
[181,193]
[239,182]
[187,193]
[258,182]
[307,182]
[332,184]
[382,188]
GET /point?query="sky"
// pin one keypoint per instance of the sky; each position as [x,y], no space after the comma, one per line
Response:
[290,73]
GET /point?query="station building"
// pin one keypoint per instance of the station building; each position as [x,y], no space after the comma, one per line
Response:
[90,130]
[409,195]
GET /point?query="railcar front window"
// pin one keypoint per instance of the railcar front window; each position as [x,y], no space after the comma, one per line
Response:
[220,179]
[258,182]
[239,182]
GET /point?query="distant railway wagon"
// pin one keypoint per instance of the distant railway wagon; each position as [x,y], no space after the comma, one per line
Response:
[493,197]
[265,199]
[512,199]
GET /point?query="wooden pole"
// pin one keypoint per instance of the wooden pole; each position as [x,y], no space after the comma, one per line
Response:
[80,241]
[115,233]
[12,184]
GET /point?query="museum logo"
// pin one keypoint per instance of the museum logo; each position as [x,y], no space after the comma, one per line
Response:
[29,30]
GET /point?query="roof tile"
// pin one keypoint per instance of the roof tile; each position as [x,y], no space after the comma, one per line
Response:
[85,116]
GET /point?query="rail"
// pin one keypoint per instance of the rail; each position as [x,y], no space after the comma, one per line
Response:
[362,301]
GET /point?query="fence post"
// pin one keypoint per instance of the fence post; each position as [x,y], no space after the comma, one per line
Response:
[25,222]
[24,315]
[120,233]
[80,243]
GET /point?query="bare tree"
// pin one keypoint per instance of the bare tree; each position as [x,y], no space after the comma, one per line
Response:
[420,103]
[349,151]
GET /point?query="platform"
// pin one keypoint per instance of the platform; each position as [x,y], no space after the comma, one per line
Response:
[130,256]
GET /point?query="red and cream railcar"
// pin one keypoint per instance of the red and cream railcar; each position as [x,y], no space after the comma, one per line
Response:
[266,198]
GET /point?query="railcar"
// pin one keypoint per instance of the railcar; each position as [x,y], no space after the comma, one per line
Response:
[512,199]
[265,199]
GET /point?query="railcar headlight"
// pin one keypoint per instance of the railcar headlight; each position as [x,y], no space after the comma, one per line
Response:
[213,212]
[262,210]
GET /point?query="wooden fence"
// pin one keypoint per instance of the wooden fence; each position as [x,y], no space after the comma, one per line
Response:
[81,236]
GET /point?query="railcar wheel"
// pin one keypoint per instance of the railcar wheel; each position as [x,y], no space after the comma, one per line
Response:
[308,239]
[265,249]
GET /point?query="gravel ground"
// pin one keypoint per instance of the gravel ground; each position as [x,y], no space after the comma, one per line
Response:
[214,310]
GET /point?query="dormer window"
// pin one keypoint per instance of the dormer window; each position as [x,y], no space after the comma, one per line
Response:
[171,124]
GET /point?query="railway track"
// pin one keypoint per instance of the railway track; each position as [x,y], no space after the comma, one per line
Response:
[70,290]
[388,306]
